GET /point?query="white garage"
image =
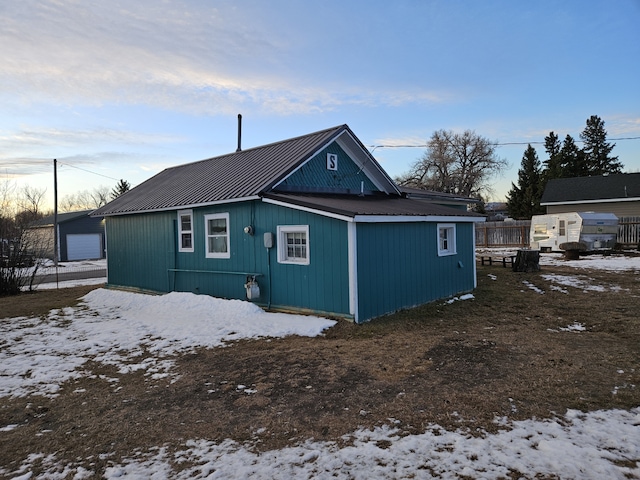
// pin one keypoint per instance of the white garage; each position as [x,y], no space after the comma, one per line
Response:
[84,246]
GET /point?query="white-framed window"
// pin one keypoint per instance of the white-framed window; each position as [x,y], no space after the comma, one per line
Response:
[446,239]
[185,231]
[216,231]
[293,244]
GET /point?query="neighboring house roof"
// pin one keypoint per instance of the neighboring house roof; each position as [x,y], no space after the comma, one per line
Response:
[242,175]
[62,218]
[373,205]
[437,196]
[605,188]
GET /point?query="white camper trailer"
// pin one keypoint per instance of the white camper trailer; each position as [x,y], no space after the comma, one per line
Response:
[595,231]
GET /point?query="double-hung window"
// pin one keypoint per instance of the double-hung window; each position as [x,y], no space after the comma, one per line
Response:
[446,239]
[185,231]
[293,244]
[217,235]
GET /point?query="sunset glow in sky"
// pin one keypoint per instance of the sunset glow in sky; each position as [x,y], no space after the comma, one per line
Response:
[124,89]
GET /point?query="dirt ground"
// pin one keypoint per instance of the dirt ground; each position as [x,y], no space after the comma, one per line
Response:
[502,354]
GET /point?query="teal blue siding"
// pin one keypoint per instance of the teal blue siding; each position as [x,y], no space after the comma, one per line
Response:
[398,263]
[314,173]
[321,286]
[220,277]
[399,266]
[140,250]
[143,253]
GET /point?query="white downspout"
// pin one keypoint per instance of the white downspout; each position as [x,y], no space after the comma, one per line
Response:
[353,269]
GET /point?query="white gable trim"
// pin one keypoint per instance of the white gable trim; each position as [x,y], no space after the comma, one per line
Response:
[416,218]
[364,160]
[337,216]
[379,218]
[367,163]
[603,200]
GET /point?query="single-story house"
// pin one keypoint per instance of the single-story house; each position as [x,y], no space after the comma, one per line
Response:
[80,236]
[614,193]
[311,224]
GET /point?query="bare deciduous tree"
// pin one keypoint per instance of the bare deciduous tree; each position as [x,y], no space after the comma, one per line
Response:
[85,199]
[458,163]
[21,252]
[30,203]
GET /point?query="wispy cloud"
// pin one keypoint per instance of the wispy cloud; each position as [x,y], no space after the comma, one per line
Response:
[180,56]
[29,147]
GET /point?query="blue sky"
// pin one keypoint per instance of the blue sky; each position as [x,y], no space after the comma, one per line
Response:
[124,89]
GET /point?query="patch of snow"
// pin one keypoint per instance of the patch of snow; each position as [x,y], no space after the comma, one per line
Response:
[72,283]
[575,327]
[8,428]
[533,287]
[580,282]
[467,296]
[115,328]
[588,446]
[614,262]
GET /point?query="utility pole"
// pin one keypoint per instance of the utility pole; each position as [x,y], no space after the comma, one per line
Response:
[55,217]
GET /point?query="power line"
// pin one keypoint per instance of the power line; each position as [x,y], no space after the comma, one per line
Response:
[499,144]
[88,171]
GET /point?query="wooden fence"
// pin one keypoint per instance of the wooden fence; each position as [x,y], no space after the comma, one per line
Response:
[629,232]
[503,234]
[516,234]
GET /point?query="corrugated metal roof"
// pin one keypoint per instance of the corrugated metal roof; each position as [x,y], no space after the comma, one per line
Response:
[228,177]
[433,195]
[62,218]
[602,187]
[352,205]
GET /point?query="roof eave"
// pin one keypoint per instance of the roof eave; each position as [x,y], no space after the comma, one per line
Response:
[178,207]
[597,200]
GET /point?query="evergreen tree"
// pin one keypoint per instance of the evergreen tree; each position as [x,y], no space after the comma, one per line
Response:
[553,166]
[597,150]
[572,160]
[523,200]
[121,187]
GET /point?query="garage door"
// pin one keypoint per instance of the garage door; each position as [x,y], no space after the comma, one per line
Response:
[84,246]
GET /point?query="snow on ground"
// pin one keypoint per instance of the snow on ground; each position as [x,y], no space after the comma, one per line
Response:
[72,283]
[615,262]
[37,355]
[579,446]
[47,267]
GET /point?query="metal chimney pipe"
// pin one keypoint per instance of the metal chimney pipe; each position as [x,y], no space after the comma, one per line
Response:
[239,133]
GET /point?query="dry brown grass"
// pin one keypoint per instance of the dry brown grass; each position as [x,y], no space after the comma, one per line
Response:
[457,365]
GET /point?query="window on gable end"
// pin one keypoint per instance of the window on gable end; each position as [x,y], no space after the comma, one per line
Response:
[293,244]
[446,239]
[185,231]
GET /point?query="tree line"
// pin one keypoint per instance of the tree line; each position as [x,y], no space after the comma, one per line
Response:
[564,160]
[464,164]
[22,250]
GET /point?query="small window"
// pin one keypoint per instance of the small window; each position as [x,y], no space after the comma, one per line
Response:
[540,228]
[561,229]
[217,235]
[185,231]
[446,239]
[293,244]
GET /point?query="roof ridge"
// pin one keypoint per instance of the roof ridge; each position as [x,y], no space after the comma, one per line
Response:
[259,147]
